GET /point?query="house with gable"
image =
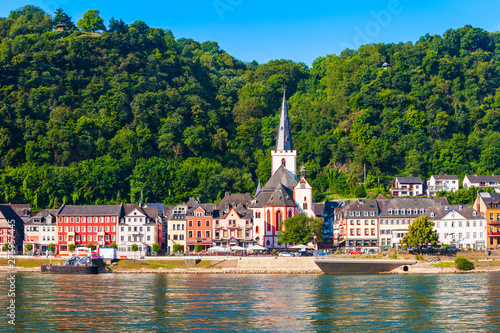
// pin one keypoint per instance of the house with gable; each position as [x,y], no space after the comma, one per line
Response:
[233,221]
[199,219]
[407,187]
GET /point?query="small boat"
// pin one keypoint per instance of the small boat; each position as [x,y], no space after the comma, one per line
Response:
[74,265]
[360,266]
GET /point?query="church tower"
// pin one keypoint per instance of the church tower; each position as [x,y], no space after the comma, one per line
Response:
[283,154]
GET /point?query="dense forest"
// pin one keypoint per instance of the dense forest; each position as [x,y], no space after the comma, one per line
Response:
[94,114]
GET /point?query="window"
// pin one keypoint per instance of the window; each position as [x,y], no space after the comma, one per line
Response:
[491,216]
[198,234]
[366,222]
[207,223]
[257,229]
[107,219]
[446,224]
[190,223]
[358,222]
[373,231]
[373,222]
[107,238]
[71,220]
[95,229]
[437,224]
[149,228]
[366,232]
[358,232]
[190,234]
[181,237]
[207,234]
[199,223]
[60,238]
[95,238]
[112,238]
[83,238]
[140,229]
[65,229]
[122,238]
[101,219]
[352,232]
[481,235]
[107,228]
[77,229]
[198,214]
[480,223]
[149,238]
[304,205]
[283,162]
[113,219]
[473,235]
[257,215]
[290,213]
[279,218]
[60,229]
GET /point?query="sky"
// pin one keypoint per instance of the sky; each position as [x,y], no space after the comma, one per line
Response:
[297,30]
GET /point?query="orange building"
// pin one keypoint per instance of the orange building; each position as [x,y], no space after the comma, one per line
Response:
[199,222]
[488,204]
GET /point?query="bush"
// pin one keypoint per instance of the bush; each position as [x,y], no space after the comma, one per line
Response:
[463,264]
[71,247]
[419,257]
[177,248]
[113,245]
[198,247]
[29,247]
[469,248]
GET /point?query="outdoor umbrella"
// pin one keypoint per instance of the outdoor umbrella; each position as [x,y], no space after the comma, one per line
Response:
[216,249]
[237,248]
[301,247]
[256,247]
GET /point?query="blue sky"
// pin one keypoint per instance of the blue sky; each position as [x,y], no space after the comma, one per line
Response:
[297,30]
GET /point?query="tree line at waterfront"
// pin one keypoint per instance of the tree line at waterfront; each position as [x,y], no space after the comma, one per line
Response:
[98,113]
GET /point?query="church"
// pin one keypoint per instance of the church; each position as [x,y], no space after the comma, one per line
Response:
[283,195]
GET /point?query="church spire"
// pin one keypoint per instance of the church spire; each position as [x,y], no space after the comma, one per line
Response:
[284,137]
[258,190]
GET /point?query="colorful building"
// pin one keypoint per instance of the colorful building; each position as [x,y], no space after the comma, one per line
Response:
[81,225]
[407,187]
[41,231]
[176,222]
[488,204]
[199,228]
[233,221]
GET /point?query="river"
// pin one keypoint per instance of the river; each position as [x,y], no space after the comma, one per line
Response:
[254,303]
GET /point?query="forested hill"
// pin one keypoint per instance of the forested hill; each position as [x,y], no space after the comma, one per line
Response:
[94,117]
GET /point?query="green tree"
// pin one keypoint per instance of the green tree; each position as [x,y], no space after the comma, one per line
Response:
[156,248]
[91,246]
[28,247]
[71,247]
[113,245]
[6,246]
[177,248]
[420,233]
[198,247]
[51,247]
[301,229]
[134,247]
[117,26]
[62,18]
[91,21]
[360,191]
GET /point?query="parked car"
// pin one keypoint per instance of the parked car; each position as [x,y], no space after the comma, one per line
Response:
[371,251]
[286,254]
[354,251]
[430,250]
[322,253]
[305,254]
[448,250]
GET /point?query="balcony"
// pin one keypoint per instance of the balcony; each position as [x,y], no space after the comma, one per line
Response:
[493,233]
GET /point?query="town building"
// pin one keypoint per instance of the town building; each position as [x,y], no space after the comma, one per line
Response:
[82,225]
[481,181]
[399,213]
[407,187]
[11,228]
[176,222]
[459,225]
[282,196]
[199,228]
[438,183]
[22,210]
[233,221]
[139,226]
[488,204]
[357,223]
[41,231]
[326,211]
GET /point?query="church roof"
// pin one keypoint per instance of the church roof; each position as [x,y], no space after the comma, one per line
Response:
[259,189]
[284,137]
[280,185]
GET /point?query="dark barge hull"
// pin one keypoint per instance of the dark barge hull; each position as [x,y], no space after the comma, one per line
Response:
[49,269]
[359,266]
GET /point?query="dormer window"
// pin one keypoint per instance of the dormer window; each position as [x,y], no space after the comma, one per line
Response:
[396,212]
[389,211]
[358,214]
[432,215]
[283,162]
[366,213]
[402,211]
[474,214]
[351,214]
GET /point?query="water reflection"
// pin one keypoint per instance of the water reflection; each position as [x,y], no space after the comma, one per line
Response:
[256,303]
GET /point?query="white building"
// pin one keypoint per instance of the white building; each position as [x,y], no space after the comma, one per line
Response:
[176,221]
[407,187]
[40,231]
[481,181]
[459,225]
[438,183]
[140,226]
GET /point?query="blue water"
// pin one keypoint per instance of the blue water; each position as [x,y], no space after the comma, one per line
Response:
[254,303]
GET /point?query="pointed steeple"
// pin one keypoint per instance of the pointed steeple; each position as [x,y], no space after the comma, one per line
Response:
[258,190]
[284,137]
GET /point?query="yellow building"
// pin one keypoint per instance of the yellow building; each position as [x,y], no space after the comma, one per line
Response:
[488,204]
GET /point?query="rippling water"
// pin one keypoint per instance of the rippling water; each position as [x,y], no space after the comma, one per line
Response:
[256,303]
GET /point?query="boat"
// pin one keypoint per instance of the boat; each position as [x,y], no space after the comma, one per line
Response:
[74,265]
[360,266]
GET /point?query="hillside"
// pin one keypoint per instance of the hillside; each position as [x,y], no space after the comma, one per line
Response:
[90,117]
